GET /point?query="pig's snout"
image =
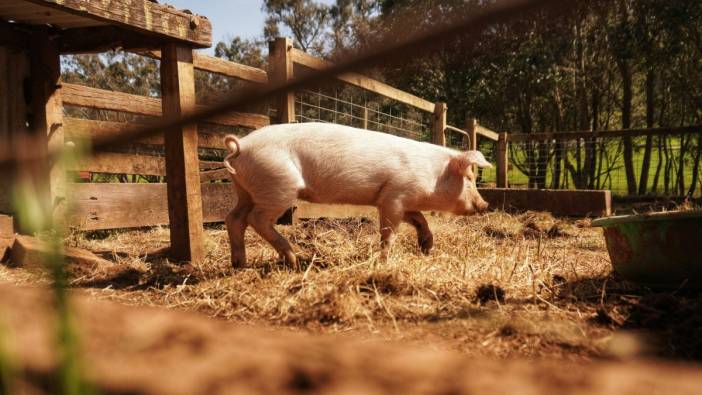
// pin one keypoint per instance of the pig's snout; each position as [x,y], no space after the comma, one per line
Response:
[481,206]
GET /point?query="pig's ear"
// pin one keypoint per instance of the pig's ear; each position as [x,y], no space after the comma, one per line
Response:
[477,158]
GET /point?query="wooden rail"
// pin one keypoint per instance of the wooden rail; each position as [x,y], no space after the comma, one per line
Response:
[221,66]
[518,137]
[81,129]
[111,206]
[117,163]
[485,132]
[364,82]
[84,96]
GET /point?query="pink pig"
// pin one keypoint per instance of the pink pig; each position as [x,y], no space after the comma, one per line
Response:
[335,164]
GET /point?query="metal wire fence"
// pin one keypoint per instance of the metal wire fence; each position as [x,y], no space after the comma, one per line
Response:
[670,166]
[354,107]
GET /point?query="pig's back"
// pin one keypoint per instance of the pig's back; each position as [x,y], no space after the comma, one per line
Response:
[342,164]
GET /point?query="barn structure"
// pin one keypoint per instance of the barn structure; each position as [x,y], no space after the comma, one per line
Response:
[33,35]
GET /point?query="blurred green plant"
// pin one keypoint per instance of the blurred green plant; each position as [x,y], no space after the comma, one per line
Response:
[35,213]
[7,367]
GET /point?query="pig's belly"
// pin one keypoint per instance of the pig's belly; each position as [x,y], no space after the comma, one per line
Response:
[339,195]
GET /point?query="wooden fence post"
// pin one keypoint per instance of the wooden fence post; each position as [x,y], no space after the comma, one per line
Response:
[46,125]
[502,161]
[439,124]
[280,70]
[472,129]
[182,163]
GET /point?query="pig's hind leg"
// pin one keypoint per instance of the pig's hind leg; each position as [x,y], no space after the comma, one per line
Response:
[425,239]
[236,226]
[262,220]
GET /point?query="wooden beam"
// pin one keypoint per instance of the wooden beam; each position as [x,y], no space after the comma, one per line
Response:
[14,35]
[280,63]
[77,128]
[558,202]
[184,200]
[142,16]
[102,39]
[502,161]
[14,114]
[30,253]
[439,124]
[485,132]
[46,122]
[116,163]
[113,206]
[364,82]
[85,96]
[220,66]
[518,137]
[7,226]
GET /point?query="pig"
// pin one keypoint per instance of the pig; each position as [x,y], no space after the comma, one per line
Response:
[334,164]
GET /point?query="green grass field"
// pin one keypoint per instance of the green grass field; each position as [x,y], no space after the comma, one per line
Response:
[613,175]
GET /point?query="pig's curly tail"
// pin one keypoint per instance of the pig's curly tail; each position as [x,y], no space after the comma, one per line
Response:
[232,144]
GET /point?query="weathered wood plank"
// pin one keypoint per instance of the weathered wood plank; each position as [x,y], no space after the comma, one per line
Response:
[221,66]
[364,82]
[439,124]
[558,202]
[502,161]
[85,96]
[183,188]
[30,253]
[47,120]
[116,163]
[7,226]
[84,129]
[214,175]
[280,63]
[13,36]
[112,206]
[485,132]
[519,137]
[141,15]
[76,128]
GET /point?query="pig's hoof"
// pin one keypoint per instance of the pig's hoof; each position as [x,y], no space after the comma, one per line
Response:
[238,264]
[425,245]
[291,261]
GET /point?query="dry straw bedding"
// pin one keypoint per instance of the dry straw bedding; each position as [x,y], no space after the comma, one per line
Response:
[496,284]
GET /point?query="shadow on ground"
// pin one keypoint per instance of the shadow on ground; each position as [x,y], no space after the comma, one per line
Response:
[669,322]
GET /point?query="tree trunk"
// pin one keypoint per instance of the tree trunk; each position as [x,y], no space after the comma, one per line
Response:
[627,96]
[646,163]
[654,187]
[696,166]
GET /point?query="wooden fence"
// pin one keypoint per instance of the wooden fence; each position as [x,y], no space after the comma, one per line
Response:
[125,205]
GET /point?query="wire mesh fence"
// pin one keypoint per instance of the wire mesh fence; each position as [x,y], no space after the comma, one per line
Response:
[665,165]
[354,107]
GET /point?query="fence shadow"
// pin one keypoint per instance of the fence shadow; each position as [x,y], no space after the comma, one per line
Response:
[668,322]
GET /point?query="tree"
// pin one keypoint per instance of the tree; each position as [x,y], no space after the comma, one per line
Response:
[307,20]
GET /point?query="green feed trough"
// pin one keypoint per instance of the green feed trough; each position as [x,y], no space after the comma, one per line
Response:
[661,250]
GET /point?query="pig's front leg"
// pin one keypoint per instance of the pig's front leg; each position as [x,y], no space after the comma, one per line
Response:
[390,216]
[262,221]
[425,238]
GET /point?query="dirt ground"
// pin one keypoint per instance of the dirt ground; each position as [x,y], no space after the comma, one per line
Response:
[527,300]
